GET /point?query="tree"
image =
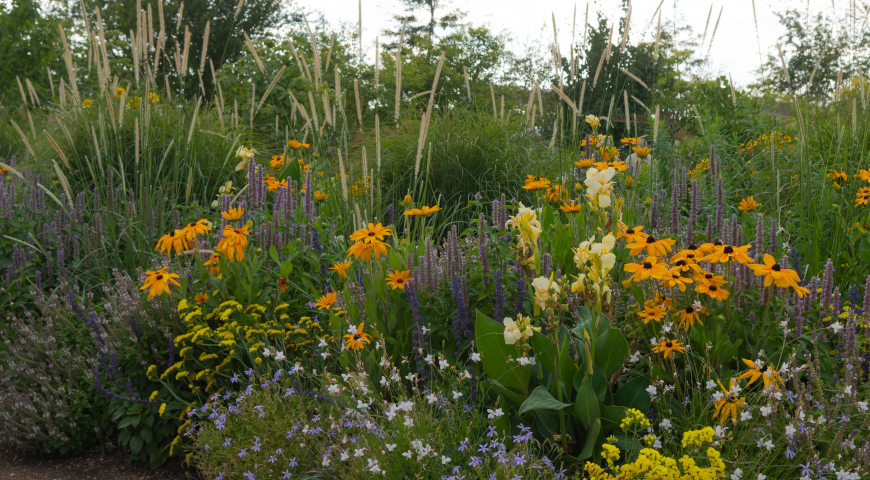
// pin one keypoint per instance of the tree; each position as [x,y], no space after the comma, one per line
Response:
[417,28]
[28,45]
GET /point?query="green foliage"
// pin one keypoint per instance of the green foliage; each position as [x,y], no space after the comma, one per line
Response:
[29,46]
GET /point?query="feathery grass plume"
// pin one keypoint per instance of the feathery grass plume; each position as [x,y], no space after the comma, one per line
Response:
[492,93]
[50,79]
[377,66]
[467,85]
[193,121]
[62,93]
[562,95]
[329,53]
[625,31]
[610,42]
[501,114]
[70,68]
[298,61]
[238,10]
[641,104]
[627,115]
[134,47]
[715,27]
[658,40]
[204,46]
[185,53]
[338,95]
[150,26]
[356,97]
[365,163]
[342,176]
[571,43]
[784,65]
[56,148]
[399,70]
[557,54]
[160,16]
[733,93]
[530,103]
[839,82]
[610,110]
[555,131]
[378,140]
[313,109]
[556,70]
[21,89]
[816,69]
[315,52]
[97,147]
[253,51]
[23,137]
[300,108]
[326,108]
[707,25]
[656,125]
[758,40]
[631,75]
[540,97]
[424,125]
[600,64]
[236,113]
[586,27]
[254,100]
[64,183]
[656,11]
[698,116]
[272,85]
[33,96]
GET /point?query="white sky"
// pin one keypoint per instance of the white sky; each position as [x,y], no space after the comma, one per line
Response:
[734,49]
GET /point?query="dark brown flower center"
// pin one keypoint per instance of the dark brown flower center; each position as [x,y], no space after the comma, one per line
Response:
[630,231]
[647,265]
[669,344]
[159,277]
[191,224]
[713,288]
[693,247]
[650,239]
[399,280]
[371,234]
[717,243]
[690,310]
[708,276]
[776,267]
[728,250]
[680,263]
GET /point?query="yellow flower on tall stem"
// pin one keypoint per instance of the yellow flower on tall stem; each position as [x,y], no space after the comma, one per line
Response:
[200,227]
[356,338]
[233,214]
[570,206]
[283,284]
[728,253]
[688,317]
[674,278]
[295,145]
[201,298]
[862,197]
[326,301]
[654,247]
[632,234]
[748,204]
[341,268]
[774,274]
[320,197]
[764,372]
[621,166]
[366,250]
[234,242]
[651,313]
[642,152]
[536,183]
[399,279]
[119,92]
[423,211]
[714,292]
[729,404]
[668,347]
[371,233]
[157,282]
[707,278]
[173,240]
[214,264]
[649,267]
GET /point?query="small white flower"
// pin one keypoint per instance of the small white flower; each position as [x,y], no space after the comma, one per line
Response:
[395,377]
[634,357]
[326,462]
[325,354]
[777,395]
[431,398]
[761,477]
[836,327]
[822,420]
[766,410]
[351,330]
[425,330]
[653,341]
[385,363]
[322,343]
[717,396]
[667,327]
[848,390]
[475,357]
[408,454]
[409,422]
[666,424]
[768,444]
[720,430]
[279,357]
[737,475]
[445,460]
[652,390]
[443,364]
[360,405]
[428,358]
[711,384]
[358,452]
[493,414]
[524,361]
[383,381]
[746,415]
[344,456]
[267,353]
[391,447]
[411,377]
[334,389]
[790,430]
[457,395]
[862,406]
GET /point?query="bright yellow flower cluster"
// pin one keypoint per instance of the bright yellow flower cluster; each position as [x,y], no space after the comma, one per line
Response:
[698,438]
[652,465]
[634,419]
[781,141]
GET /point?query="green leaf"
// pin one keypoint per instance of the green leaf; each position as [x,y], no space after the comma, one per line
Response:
[146,435]
[274,254]
[634,395]
[129,421]
[591,436]
[611,417]
[611,348]
[495,355]
[136,444]
[627,443]
[286,269]
[586,405]
[540,399]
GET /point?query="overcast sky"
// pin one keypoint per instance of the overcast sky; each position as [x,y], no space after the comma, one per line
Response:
[734,49]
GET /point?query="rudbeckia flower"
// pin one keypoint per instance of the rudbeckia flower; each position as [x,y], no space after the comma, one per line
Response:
[119,92]
[570,206]
[584,163]
[717,293]
[673,278]
[707,278]
[320,197]
[399,279]
[341,268]
[295,145]
[200,227]
[774,274]
[630,140]
[422,211]
[234,242]
[642,152]
[356,338]
[326,301]
[649,267]
[283,284]
[214,264]
[748,204]
[729,404]
[157,282]
[764,372]
[668,347]
[727,253]
[201,298]
[688,316]
[365,250]
[371,233]
[173,240]
[651,313]
[632,234]
[233,214]
[654,247]
[536,183]
[690,255]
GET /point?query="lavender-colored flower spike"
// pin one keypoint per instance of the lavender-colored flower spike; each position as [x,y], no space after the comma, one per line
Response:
[865,307]
[827,286]
[720,207]
[499,297]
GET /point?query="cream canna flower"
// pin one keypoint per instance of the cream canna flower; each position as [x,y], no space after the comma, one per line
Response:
[599,186]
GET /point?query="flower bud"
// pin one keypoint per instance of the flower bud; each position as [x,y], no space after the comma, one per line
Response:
[407,201]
